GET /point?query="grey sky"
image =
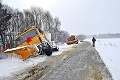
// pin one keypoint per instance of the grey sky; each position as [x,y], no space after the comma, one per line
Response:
[79,16]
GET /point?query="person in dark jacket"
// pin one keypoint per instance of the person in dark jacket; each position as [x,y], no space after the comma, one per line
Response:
[93,40]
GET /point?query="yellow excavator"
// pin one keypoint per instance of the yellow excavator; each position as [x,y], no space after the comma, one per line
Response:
[32,42]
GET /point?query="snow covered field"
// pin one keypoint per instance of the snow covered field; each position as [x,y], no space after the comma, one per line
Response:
[109,50]
[10,64]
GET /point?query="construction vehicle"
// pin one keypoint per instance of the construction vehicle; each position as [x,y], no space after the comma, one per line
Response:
[32,42]
[72,40]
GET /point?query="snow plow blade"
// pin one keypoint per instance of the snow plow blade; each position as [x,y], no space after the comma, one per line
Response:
[24,51]
[72,42]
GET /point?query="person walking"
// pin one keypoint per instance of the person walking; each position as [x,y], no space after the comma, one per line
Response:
[93,40]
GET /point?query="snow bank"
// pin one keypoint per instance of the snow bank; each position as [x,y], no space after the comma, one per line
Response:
[109,50]
[12,64]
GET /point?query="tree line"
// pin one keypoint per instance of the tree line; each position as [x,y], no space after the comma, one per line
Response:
[14,21]
[107,35]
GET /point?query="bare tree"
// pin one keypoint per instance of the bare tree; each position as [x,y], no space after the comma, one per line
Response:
[48,21]
[36,16]
[56,29]
[4,22]
[28,19]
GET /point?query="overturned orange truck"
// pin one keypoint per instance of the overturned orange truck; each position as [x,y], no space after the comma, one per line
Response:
[72,40]
[32,42]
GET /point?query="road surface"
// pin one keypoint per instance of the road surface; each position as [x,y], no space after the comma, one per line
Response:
[84,64]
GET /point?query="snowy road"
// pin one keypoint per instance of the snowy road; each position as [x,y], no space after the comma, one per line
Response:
[83,64]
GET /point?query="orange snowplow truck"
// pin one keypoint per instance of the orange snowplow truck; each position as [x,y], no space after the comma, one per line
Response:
[72,40]
[30,43]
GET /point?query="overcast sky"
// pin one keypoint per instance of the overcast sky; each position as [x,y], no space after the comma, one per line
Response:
[79,16]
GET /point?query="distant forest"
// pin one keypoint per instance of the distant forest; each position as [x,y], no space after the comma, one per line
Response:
[102,36]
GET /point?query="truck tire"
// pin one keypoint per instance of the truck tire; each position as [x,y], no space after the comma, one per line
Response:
[48,52]
[77,42]
[56,49]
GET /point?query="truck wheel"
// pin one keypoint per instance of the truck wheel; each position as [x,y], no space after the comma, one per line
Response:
[56,49]
[77,42]
[48,52]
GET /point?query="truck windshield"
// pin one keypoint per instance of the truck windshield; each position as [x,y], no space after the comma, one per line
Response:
[23,38]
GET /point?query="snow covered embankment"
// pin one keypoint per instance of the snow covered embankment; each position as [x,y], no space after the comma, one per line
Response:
[109,50]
